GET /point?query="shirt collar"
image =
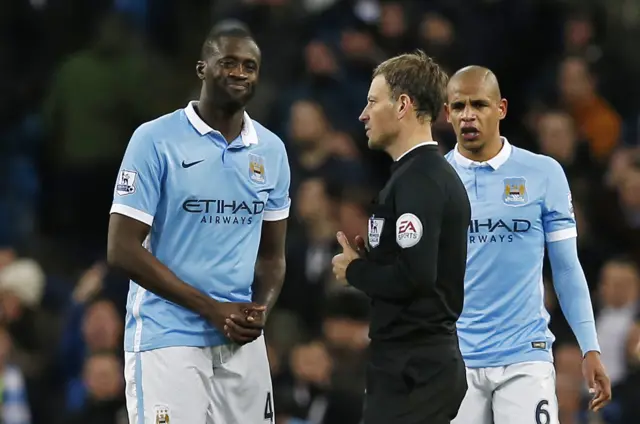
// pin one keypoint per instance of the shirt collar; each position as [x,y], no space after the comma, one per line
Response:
[495,162]
[248,133]
[426,143]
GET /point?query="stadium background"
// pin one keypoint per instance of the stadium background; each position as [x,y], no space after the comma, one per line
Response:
[76,77]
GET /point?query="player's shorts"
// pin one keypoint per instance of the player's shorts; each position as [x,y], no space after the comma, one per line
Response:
[227,384]
[414,390]
[522,393]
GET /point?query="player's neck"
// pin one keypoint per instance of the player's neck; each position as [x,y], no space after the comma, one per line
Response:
[229,123]
[488,152]
[409,139]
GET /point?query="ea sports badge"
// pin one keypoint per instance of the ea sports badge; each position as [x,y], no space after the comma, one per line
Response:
[408,230]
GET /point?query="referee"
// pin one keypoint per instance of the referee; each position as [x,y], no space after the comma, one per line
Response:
[413,267]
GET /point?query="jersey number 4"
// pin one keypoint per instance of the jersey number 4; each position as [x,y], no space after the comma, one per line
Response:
[268,408]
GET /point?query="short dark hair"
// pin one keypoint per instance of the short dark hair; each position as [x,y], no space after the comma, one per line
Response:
[225,29]
[419,77]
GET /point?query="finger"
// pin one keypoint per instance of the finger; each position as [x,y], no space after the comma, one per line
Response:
[241,340]
[360,244]
[255,307]
[244,322]
[241,331]
[603,394]
[342,239]
[595,395]
[256,316]
[337,270]
[598,402]
[590,376]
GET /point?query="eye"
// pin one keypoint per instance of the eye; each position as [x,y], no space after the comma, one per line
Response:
[479,105]
[227,63]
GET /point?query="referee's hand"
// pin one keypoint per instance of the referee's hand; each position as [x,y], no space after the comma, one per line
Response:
[349,254]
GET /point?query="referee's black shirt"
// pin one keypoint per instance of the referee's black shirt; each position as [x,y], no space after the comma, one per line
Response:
[415,266]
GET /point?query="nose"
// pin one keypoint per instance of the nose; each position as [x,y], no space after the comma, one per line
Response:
[468,114]
[238,72]
[364,117]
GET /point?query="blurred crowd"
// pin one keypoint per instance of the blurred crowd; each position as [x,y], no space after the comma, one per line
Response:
[77,77]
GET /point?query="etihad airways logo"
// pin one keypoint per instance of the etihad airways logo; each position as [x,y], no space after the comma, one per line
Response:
[496,230]
[221,211]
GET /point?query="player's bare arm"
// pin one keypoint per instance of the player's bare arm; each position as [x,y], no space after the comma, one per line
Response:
[126,252]
[270,270]
[271,264]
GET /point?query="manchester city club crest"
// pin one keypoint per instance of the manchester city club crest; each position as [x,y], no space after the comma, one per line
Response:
[162,414]
[515,191]
[375,230]
[256,169]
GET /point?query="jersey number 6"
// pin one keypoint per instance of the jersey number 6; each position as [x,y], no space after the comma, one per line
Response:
[542,414]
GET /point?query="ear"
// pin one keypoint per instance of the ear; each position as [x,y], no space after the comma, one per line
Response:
[503,108]
[403,105]
[446,112]
[200,67]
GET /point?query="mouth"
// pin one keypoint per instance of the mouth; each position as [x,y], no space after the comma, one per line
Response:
[470,133]
[238,87]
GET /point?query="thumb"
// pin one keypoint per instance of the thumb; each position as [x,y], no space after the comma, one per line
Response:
[342,239]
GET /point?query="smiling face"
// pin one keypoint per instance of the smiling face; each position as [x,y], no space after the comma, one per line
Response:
[475,108]
[231,71]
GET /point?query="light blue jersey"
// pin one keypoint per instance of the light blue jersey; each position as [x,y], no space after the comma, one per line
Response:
[519,201]
[205,201]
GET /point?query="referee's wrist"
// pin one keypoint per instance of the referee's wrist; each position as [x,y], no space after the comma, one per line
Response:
[353,266]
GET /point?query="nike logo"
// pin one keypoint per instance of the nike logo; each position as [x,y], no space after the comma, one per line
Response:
[189,165]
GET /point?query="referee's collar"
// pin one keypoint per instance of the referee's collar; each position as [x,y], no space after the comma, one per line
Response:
[248,133]
[426,143]
[495,162]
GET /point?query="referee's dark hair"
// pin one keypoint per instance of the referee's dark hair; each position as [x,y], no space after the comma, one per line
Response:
[419,77]
[225,29]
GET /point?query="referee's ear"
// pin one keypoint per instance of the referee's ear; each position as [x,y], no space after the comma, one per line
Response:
[405,102]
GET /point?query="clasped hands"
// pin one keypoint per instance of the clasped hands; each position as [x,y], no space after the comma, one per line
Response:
[242,323]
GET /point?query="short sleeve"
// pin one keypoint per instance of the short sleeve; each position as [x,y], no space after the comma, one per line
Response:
[558,218]
[279,202]
[138,185]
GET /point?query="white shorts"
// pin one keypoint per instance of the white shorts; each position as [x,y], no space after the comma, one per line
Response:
[227,384]
[522,393]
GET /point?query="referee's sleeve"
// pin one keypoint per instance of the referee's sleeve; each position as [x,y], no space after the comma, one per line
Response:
[419,207]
